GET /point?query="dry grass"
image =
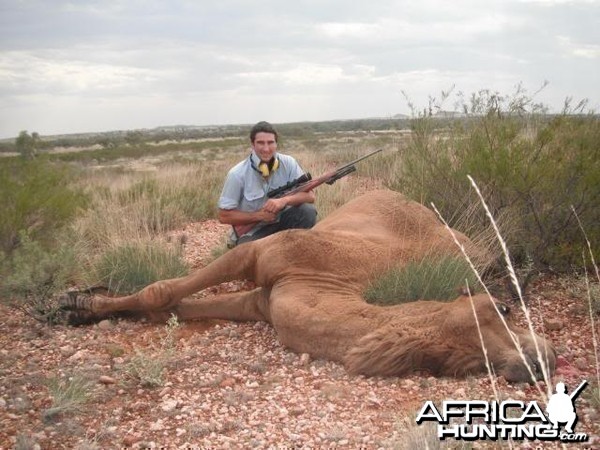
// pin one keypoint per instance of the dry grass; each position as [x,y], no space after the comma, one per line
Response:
[148,366]
[592,302]
[138,207]
[68,395]
[515,281]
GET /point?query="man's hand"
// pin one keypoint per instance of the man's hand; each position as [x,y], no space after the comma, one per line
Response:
[274,205]
[267,217]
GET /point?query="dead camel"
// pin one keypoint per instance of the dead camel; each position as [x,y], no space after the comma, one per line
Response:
[310,284]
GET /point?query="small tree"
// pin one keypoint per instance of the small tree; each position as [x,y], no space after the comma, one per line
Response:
[27,144]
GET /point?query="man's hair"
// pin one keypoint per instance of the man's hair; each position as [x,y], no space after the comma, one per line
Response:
[262,127]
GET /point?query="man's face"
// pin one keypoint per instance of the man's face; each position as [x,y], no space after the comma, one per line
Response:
[264,146]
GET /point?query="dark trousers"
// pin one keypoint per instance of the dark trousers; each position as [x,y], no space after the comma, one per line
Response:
[301,216]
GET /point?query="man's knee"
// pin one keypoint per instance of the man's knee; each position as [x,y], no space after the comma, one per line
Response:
[301,216]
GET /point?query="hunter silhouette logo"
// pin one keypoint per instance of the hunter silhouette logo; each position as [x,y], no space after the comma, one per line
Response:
[509,419]
[560,406]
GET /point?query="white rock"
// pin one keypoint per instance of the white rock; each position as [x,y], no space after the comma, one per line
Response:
[105,324]
[78,356]
[157,426]
[169,405]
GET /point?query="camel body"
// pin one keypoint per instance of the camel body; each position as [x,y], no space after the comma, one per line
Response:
[310,285]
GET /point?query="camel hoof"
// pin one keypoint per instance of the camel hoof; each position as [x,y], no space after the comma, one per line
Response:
[76,307]
[74,301]
[79,318]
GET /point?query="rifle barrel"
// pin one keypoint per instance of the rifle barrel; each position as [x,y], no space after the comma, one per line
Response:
[578,390]
[361,158]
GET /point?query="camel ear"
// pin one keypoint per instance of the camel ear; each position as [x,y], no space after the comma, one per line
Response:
[386,352]
[463,291]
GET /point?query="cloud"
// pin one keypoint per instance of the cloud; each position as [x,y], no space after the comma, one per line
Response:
[23,72]
[559,2]
[405,30]
[197,62]
[312,74]
[570,47]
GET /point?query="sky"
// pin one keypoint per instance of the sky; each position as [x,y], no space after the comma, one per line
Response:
[101,65]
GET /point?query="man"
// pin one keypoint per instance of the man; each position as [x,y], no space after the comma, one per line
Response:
[560,408]
[244,197]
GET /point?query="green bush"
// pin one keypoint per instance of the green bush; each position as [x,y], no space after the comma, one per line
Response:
[148,365]
[433,278]
[33,275]
[530,166]
[36,197]
[129,268]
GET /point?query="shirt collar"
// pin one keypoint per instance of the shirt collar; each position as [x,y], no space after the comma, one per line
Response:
[255,160]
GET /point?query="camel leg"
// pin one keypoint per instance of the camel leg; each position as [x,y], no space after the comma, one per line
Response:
[236,264]
[239,306]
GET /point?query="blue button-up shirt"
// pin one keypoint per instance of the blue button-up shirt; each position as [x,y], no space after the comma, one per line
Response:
[245,189]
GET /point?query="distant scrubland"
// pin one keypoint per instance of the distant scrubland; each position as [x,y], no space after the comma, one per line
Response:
[97,208]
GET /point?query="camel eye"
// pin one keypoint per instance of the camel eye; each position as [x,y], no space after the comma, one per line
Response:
[504,310]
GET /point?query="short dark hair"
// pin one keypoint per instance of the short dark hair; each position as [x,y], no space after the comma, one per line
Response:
[262,127]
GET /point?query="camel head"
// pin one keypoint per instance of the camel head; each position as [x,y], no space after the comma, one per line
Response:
[454,339]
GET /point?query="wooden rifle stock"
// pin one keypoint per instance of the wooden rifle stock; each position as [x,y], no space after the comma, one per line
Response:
[306,186]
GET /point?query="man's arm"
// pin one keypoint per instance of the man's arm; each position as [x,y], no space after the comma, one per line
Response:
[274,205]
[269,211]
[237,217]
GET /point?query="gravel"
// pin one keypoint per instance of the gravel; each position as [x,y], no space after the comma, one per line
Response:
[232,385]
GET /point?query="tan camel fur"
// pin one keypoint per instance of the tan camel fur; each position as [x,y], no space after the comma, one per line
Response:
[310,285]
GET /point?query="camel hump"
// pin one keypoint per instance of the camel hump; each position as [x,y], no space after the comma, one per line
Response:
[380,213]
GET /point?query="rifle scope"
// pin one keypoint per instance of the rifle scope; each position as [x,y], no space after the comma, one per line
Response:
[291,185]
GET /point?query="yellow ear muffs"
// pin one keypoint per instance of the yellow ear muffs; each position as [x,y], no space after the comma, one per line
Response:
[265,170]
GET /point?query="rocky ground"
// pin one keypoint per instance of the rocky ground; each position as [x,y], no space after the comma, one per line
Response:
[232,385]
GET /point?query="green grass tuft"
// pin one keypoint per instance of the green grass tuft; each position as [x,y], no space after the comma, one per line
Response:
[429,279]
[130,267]
[68,395]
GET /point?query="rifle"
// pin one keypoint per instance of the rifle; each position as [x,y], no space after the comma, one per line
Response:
[578,390]
[306,183]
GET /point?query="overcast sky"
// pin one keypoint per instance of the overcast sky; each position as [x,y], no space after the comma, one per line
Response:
[79,66]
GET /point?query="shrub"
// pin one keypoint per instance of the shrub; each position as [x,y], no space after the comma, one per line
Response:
[587,292]
[36,197]
[429,279]
[529,165]
[593,396]
[27,144]
[25,441]
[33,275]
[128,268]
[148,366]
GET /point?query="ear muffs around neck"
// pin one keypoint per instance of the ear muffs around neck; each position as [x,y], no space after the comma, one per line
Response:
[266,169]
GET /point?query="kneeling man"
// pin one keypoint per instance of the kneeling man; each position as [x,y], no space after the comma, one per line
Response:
[244,197]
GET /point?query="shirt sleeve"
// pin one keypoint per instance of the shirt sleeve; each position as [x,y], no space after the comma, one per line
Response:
[295,171]
[232,192]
